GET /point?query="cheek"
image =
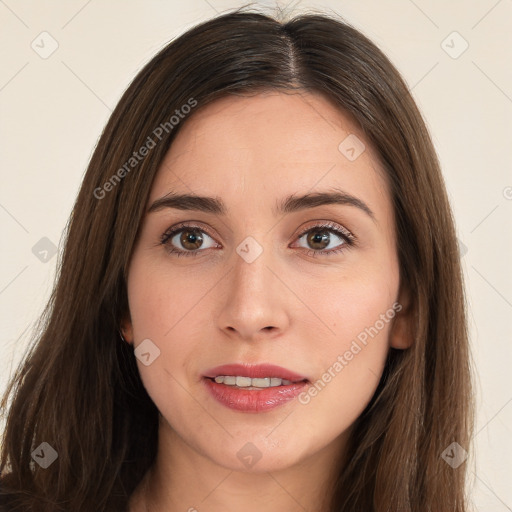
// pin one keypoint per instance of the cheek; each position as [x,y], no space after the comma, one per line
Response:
[168,309]
[161,299]
[358,311]
[352,301]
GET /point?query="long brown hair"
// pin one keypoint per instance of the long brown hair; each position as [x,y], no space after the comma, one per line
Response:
[79,390]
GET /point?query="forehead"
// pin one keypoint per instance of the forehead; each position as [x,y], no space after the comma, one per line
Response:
[265,146]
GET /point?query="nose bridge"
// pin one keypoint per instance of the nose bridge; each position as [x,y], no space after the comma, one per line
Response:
[253,297]
[250,274]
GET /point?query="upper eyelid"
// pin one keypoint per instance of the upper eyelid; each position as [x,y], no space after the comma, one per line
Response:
[328,225]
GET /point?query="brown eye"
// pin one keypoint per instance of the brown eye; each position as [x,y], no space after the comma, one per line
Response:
[191,239]
[186,240]
[326,239]
[318,239]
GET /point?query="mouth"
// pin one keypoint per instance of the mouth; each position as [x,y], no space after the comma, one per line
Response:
[259,376]
[253,388]
[240,382]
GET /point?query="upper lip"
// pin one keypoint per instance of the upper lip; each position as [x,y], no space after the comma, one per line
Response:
[254,371]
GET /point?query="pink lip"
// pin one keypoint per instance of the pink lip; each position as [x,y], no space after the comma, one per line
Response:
[255,400]
[254,371]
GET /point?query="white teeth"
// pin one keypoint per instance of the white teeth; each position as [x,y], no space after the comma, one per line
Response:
[245,382]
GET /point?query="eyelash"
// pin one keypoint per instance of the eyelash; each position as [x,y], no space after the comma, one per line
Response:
[348,238]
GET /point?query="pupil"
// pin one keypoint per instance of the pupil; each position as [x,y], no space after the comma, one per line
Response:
[189,237]
[319,237]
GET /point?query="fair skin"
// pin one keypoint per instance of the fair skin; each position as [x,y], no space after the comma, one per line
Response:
[287,307]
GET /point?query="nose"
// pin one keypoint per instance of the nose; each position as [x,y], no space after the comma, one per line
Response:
[255,299]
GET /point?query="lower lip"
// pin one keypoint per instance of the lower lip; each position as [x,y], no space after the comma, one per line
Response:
[255,400]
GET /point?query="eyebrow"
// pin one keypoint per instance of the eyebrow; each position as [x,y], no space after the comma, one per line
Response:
[290,204]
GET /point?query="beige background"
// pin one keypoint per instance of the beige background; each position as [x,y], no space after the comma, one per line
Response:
[53,110]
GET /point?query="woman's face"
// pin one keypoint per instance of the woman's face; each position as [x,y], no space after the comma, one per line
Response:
[311,286]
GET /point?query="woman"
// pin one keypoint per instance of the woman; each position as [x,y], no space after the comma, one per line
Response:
[309,350]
